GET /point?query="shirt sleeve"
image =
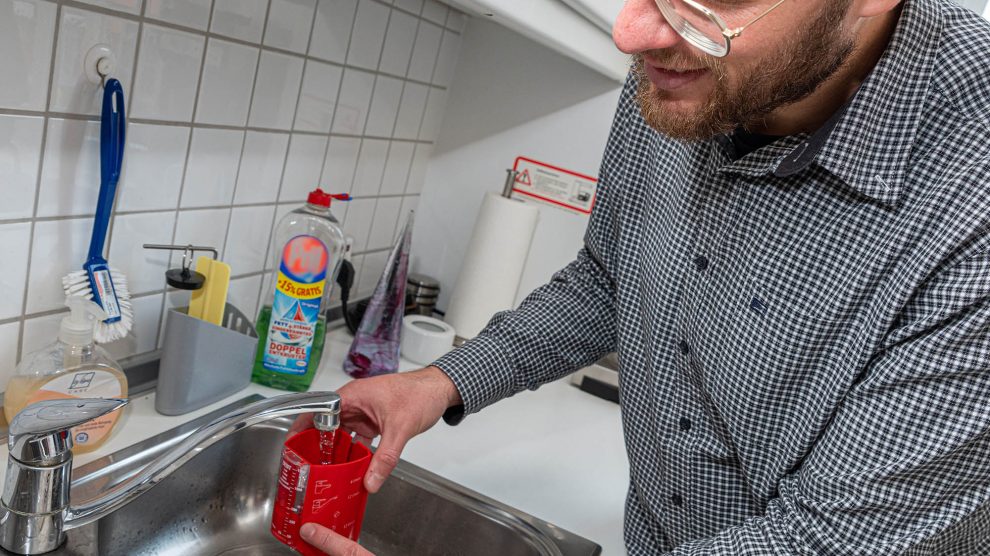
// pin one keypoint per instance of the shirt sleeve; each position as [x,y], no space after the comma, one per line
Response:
[562,326]
[903,467]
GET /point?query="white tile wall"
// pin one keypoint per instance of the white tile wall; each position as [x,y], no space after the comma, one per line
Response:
[154,161]
[371,271]
[168,68]
[370,167]
[225,88]
[80,30]
[15,240]
[26,28]
[129,6]
[286,20]
[70,179]
[352,104]
[188,13]
[276,90]
[144,268]
[398,43]
[261,167]
[211,171]
[247,238]
[383,225]
[239,19]
[229,129]
[332,29]
[62,246]
[20,153]
[400,155]
[368,35]
[9,335]
[435,12]
[424,54]
[302,167]
[318,97]
[341,163]
[384,106]
[411,110]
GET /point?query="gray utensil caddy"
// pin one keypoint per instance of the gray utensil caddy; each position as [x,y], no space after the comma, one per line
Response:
[202,362]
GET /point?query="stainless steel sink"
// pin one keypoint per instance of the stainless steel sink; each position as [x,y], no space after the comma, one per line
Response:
[220,503]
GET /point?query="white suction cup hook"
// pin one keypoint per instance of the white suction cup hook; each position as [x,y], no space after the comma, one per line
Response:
[99,64]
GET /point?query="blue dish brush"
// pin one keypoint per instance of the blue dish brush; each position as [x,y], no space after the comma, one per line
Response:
[97,280]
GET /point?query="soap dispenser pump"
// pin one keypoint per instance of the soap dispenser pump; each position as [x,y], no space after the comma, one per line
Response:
[72,366]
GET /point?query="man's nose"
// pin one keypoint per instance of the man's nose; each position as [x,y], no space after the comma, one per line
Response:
[641,27]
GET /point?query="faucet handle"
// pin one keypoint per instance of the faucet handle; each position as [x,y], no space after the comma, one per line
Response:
[39,434]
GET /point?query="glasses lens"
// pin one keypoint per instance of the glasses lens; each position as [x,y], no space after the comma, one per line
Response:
[693,25]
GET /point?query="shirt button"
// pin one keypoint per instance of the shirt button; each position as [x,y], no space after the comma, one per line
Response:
[676,500]
[701,263]
[685,424]
[685,348]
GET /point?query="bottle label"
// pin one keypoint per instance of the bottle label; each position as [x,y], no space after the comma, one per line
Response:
[84,384]
[299,287]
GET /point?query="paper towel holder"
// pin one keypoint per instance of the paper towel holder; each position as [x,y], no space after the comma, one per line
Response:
[510,182]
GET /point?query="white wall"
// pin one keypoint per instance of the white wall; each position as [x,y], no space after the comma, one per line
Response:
[510,97]
[975,5]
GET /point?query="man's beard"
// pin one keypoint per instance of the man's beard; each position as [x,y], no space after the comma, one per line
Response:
[780,78]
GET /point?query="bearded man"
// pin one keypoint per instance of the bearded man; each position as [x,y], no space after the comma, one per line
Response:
[790,253]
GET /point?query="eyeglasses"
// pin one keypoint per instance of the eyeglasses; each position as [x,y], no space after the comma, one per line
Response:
[702,27]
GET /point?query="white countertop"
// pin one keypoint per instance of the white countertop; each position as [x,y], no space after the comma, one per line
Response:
[556,453]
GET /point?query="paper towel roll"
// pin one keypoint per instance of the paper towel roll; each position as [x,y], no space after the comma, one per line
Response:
[493,264]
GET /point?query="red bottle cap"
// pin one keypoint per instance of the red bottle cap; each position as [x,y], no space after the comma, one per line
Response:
[322,198]
[319,197]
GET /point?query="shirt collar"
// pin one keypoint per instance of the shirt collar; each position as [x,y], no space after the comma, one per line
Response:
[867,143]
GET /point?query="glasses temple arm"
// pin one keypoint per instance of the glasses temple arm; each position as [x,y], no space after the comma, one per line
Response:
[736,32]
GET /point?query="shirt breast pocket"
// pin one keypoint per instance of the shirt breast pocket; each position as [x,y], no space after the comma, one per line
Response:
[765,337]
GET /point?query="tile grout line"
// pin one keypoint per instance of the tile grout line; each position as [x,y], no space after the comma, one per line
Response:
[170,123]
[285,162]
[371,102]
[77,216]
[388,149]
[185,167]
[37,191]
[205,125]
[127,106]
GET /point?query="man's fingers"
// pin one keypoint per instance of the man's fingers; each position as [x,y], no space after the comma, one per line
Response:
[384,460]
[366,440]
[330,542]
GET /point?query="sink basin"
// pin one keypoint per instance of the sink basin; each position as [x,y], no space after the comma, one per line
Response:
[220,503]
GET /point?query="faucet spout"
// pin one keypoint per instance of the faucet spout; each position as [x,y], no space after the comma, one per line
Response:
[290,404]
[35,510]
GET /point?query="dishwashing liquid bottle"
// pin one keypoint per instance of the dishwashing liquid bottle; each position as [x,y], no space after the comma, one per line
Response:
[71,367]
[308,245]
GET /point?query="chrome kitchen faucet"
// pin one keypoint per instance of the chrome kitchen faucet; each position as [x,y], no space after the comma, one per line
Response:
[35,510]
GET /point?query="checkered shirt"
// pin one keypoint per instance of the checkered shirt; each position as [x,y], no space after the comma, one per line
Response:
[803,333]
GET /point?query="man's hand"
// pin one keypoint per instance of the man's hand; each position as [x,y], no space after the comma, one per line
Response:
[397,407]
[330,542]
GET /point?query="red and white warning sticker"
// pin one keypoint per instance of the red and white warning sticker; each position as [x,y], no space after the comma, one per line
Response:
[559,187]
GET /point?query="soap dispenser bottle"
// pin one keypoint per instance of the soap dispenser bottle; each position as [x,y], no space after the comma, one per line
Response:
[307,247]
[73,366]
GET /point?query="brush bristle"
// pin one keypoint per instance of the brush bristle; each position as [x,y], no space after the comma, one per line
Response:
[77,283]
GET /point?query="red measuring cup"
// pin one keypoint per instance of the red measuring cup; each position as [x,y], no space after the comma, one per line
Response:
[331,495]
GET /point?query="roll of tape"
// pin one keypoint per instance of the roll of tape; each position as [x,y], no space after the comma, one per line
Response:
[424,338]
